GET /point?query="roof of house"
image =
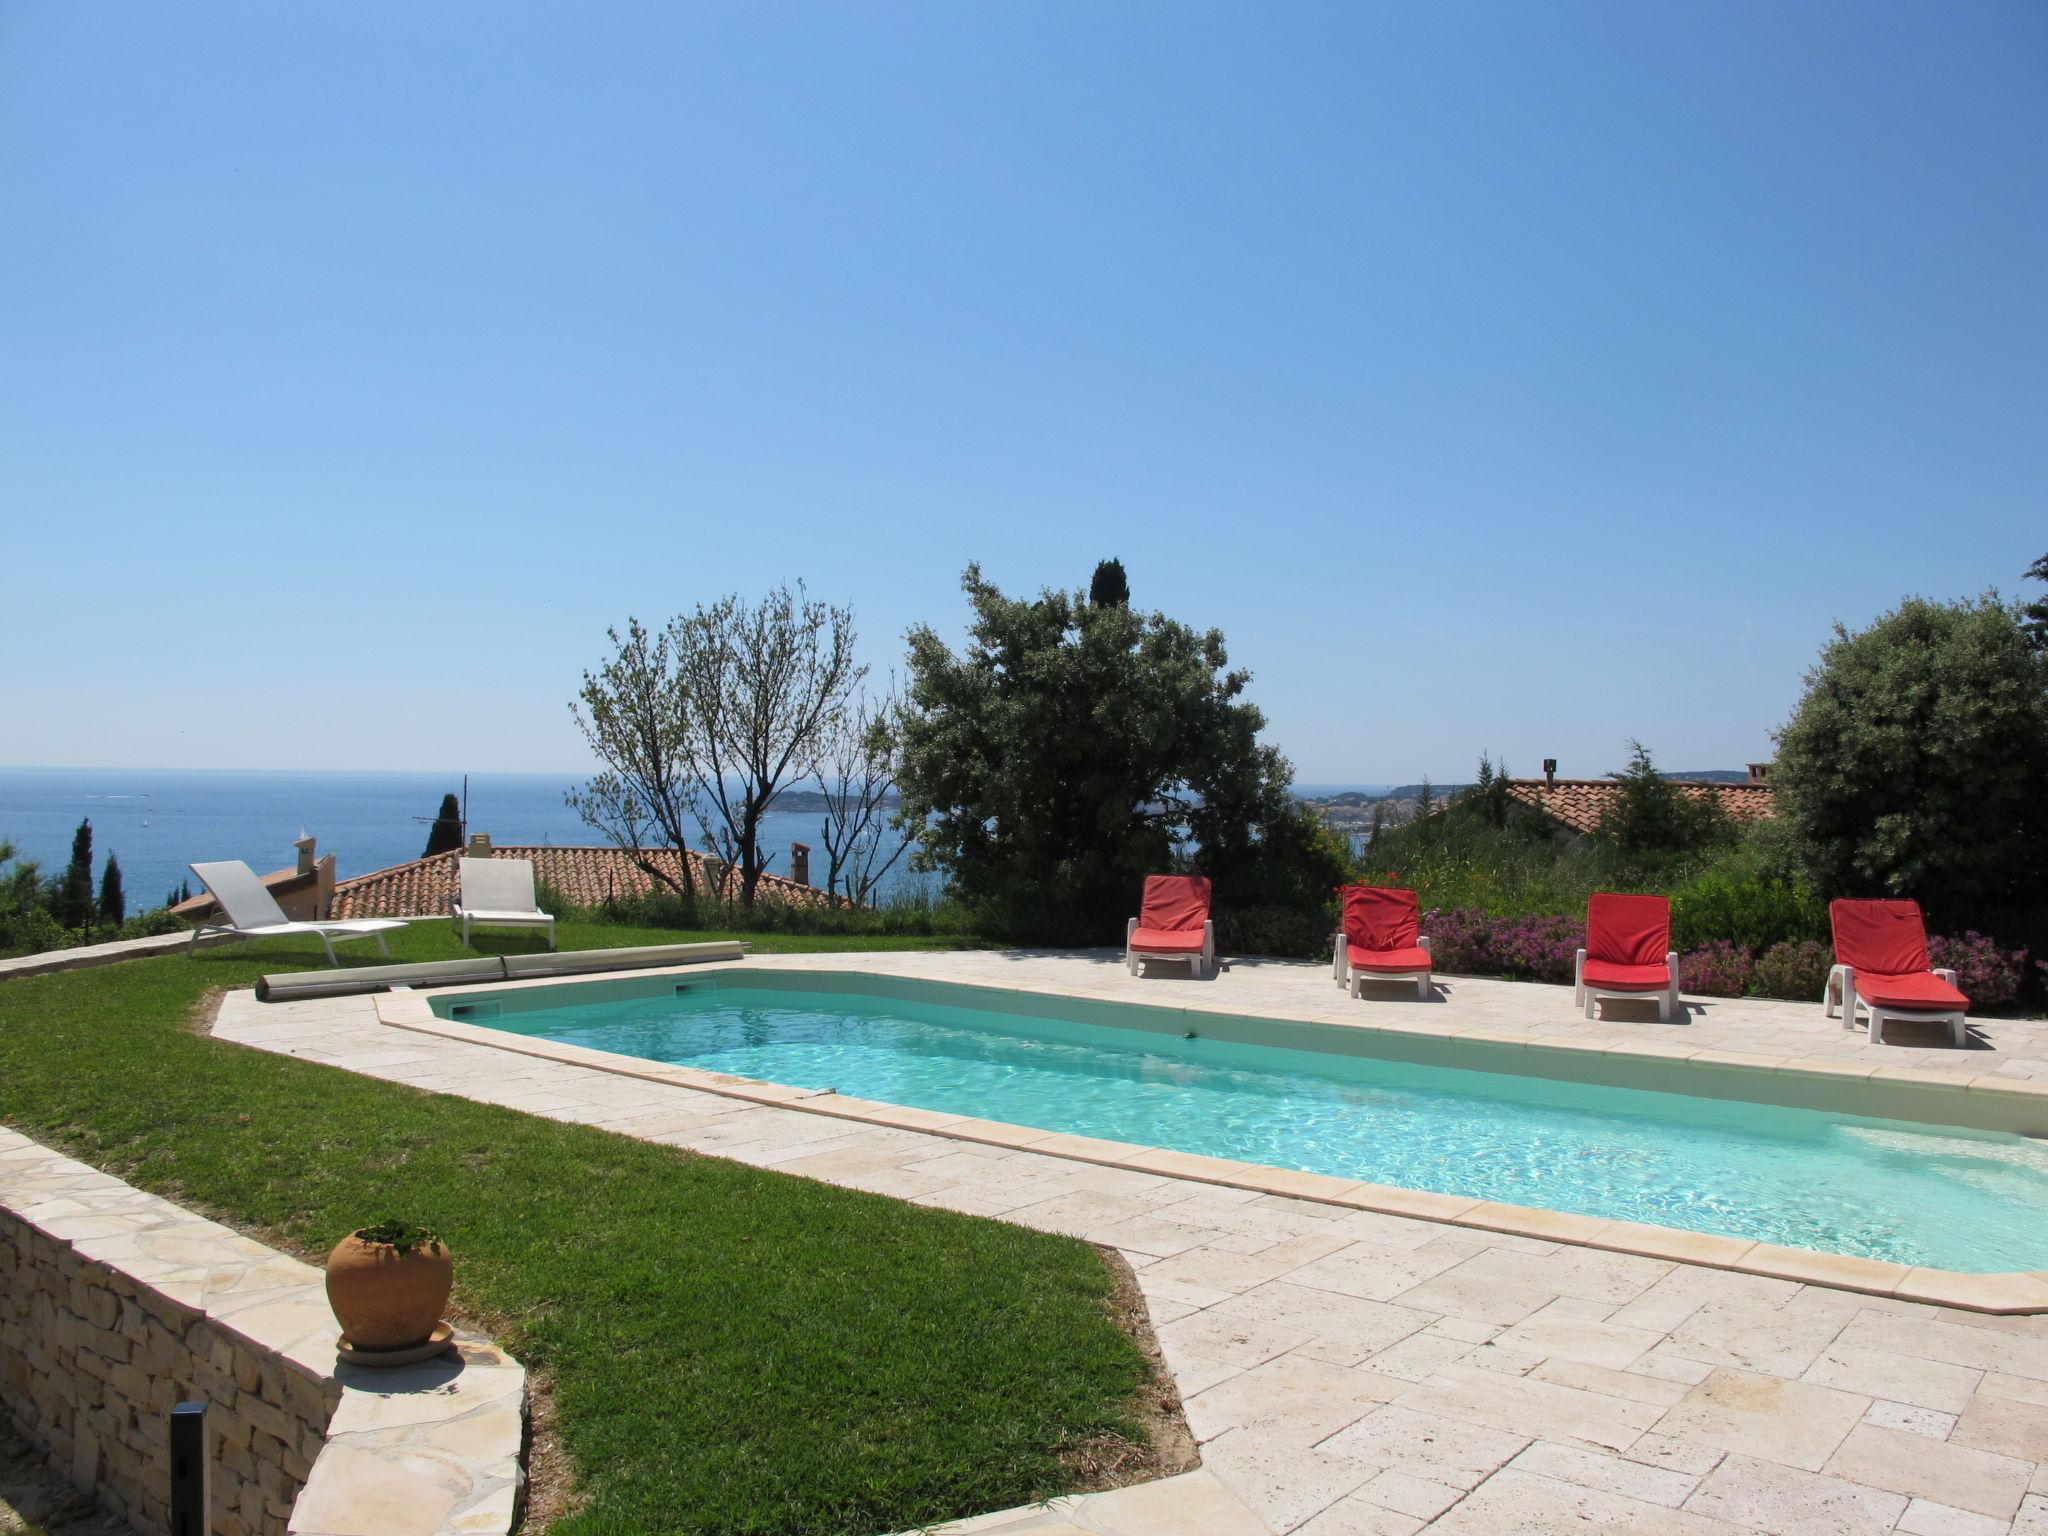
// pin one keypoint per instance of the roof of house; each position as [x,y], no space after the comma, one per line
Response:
[584,877]
[1580,803]
[279,882]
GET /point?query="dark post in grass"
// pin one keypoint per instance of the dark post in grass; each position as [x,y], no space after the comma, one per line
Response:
[190,1515]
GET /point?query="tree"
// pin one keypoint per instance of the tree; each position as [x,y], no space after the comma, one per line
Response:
[633,714]
[1916,763]
[1074,748]
[71,900]
[1488,797]
[2034,616]
[1109,587]
[1651,819]
[764,687]
[701,725]
[858,775]
[113,904]
[446,833]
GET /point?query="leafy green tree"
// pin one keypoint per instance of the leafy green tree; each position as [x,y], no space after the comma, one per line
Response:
[113,903]
[1076,747]
[2034,616]
[71,901]
[1110,587]
[25,922]
[446,832]
[1652,820]
[1916,764]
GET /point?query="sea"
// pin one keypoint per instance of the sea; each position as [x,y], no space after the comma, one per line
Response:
[159,820]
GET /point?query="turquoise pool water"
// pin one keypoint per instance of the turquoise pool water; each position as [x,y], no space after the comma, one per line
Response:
[1952,1198]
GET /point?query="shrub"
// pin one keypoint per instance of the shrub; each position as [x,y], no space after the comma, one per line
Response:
[1988,975]
[1467,941]
[1719,969]
[912,915]
[1269,930]
[1744,909]
[1795,968]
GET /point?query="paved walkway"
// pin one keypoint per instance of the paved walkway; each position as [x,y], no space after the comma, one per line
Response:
[1354,1373]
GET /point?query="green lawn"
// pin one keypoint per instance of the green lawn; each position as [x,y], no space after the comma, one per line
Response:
[731,1350]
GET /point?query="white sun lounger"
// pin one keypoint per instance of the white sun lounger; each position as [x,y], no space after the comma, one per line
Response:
[253,913]
[499,893]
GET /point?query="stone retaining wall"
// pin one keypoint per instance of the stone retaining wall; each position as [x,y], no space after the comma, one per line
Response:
[114,1305]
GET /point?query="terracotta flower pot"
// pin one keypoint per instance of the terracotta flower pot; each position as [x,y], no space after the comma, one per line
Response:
[385,1299]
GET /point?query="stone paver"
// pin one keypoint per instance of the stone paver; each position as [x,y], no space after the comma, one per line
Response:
[1350,1372]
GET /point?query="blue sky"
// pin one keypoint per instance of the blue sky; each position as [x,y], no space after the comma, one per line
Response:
[1507,376]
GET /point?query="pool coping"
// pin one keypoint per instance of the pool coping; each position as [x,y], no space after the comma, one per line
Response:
[2003,1293]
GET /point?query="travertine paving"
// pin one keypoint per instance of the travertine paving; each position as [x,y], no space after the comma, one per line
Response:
[1356,1373]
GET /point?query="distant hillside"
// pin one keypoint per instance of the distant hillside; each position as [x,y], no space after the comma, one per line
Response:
[1436,792]
[809,802]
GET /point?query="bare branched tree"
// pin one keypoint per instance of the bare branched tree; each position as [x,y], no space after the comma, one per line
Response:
[633,712]
[858,776]
[764,687]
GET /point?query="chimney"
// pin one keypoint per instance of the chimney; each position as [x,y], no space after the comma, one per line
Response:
[306,860]
[800,863]
[1759,773]
[479,846]
[1550,773]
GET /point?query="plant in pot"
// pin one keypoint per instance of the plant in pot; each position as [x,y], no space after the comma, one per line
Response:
[387,1284]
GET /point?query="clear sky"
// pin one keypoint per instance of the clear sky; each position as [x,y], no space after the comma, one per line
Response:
[1509,376]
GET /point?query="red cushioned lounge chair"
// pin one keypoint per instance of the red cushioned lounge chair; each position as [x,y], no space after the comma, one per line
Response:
[1882,966]
[1381,939]
[1628,953]
[1172,924]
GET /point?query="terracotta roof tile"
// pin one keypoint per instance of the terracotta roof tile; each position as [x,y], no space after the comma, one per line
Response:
[1580,803]
[585,877]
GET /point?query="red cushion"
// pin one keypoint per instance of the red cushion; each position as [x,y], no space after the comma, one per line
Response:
[1628,931]
[1919,989]
[1378,917]
[1398,960]
[1606,975]
[1177,941]
[1174,904]
[1887,938]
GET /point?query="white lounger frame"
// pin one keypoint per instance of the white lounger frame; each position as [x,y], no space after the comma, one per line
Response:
[503,890]
[1203,964]
[253,913]
[1342,973]
[1590,998]
[1841,988]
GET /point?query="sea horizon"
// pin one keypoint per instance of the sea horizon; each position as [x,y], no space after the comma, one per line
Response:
[159,821]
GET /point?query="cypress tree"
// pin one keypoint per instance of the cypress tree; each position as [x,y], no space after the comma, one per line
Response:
[113,903]
[71,902]
[446,832]
[1110,588]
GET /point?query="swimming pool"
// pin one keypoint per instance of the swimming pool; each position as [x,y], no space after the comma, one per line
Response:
[1909,1192]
